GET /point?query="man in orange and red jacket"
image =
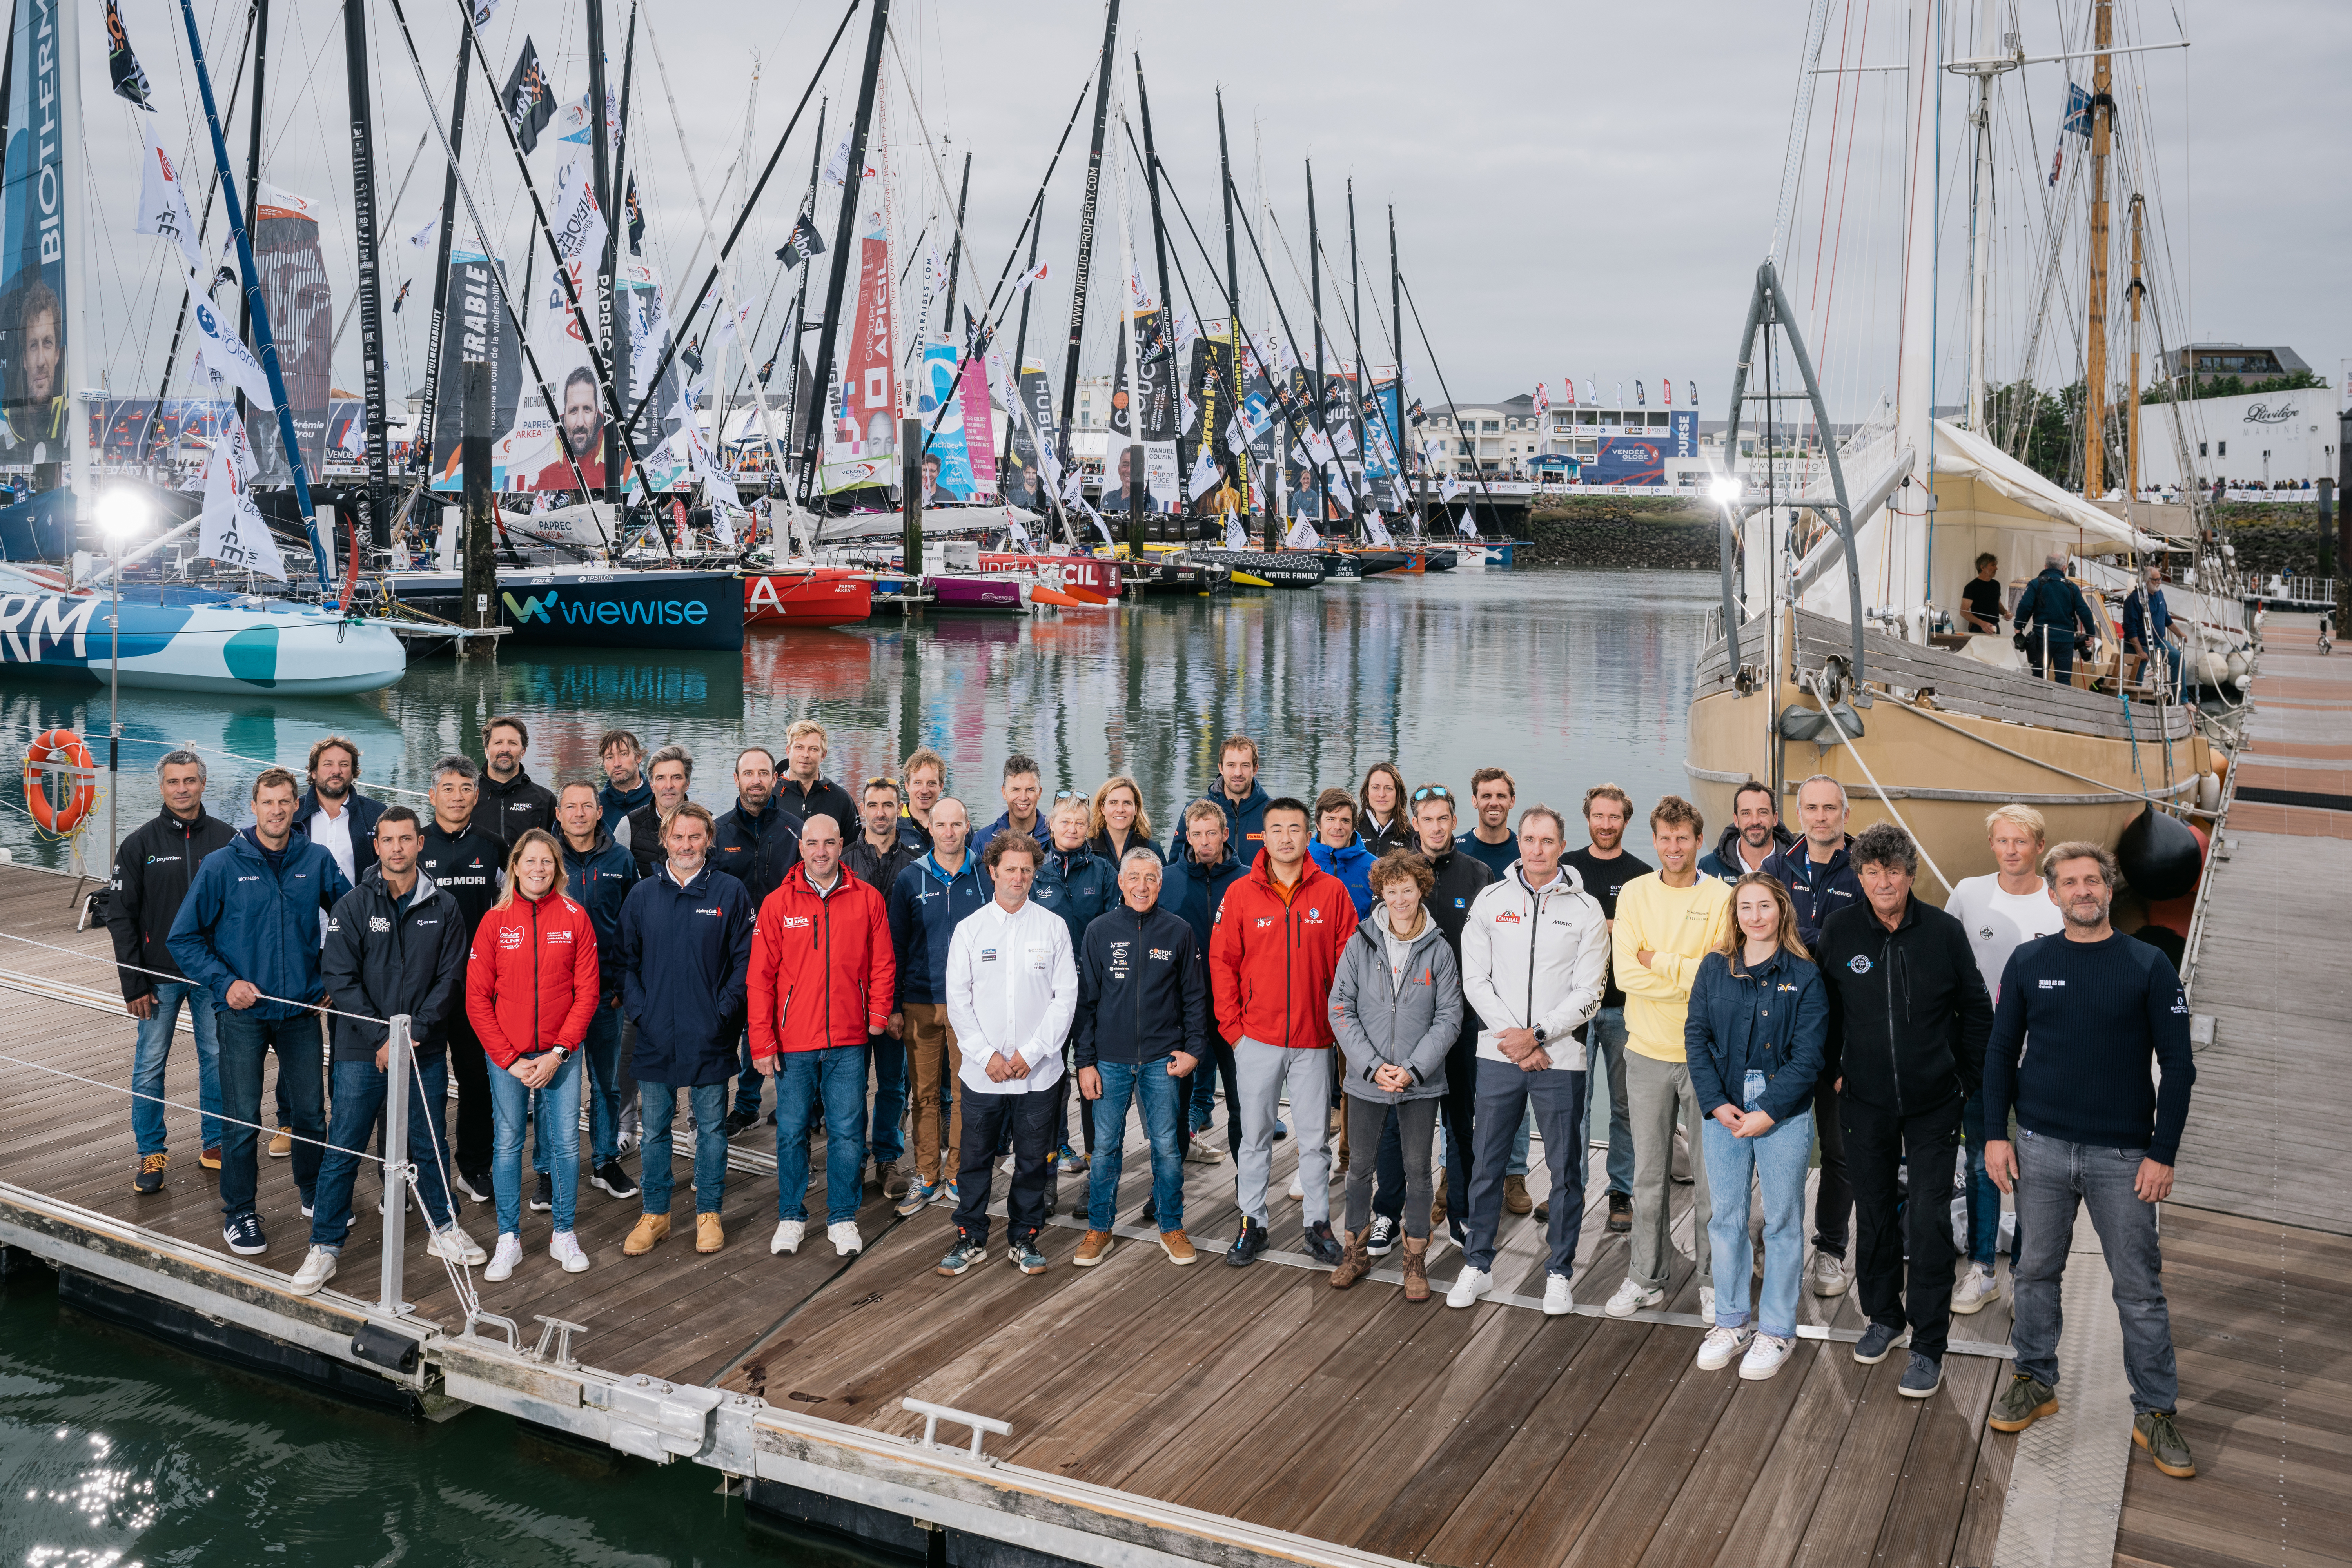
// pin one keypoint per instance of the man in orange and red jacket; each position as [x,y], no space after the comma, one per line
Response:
[1277,942]
[822,982]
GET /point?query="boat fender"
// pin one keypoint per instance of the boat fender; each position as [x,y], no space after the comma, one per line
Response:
[2214,668]
[2209,790]
[49,751]
[2160,858]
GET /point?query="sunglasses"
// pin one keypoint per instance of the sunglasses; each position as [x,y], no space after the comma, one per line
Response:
[1432,792]
[1063,794]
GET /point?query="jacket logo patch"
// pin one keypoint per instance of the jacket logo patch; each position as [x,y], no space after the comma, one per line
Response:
[795,922]
[1162,953]
[1508,917]
[378,924]
[554,937]
[2054,985]
[1858,963]
[510,939]
[1263,921]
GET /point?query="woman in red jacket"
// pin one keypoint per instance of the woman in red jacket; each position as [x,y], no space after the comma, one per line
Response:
[531,993]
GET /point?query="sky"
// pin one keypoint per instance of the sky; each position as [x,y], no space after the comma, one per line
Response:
[1581,191]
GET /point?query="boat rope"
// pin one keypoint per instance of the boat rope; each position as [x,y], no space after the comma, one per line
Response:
[219,1116]
[1829,712]
[318,1007]
[1933,717]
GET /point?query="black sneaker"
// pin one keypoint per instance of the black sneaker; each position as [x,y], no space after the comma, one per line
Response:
[474,1185]
[610,1179]
[1247,1244]
[244,1236]
[1620,1213]
[1876,1341]
[1383,1237]
[542,1196]
[1281,1130]
[150,1178]
[1026,1258]
[738,1121]
[1322,1245]
[1150,1214]
[1922,1377]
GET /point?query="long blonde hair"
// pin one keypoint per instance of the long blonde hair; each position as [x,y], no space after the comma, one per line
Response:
[514,858]
[1095,827]
[1735,941]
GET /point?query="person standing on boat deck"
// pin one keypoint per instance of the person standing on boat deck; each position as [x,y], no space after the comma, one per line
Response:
[1753,1039]
[531,992]
[1078,887]
[626,789]
[514,801]
[1142,1028]
[1118,822]
[1667,924]
[1980,598]
[757,843]
[1271,954]
[2049,615]
[2091,1130]
[1820,877]
[924,776]
[2001,912]
[467,861]
[1908,1016]
[800,789]
[1396,1010]
[248,933]
[668,773]
[686,953]
[1338,850]
[1490,841]
[1754,836]
[1012,987]
[926,903]
[154,870]
[1605,866]
[334,814]
[597,875]
[887,845]
[1197,879]
[822,980]
[1240,796]
[395,944]
[1020,790]
[1383,820]
[2149,630]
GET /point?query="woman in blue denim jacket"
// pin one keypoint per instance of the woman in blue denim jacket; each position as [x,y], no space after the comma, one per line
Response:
[1755,1034]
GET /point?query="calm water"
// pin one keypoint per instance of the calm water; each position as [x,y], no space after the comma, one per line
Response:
[115,1451]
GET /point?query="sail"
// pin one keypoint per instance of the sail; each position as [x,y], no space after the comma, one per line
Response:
[861,439]
[295,291]
[479,328]
[557,450]
[33,234]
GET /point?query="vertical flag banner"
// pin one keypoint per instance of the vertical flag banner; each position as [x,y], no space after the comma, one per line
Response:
[303,318]
[861,446]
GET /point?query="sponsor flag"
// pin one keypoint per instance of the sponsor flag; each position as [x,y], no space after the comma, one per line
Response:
[1319,445]
[1302,535]
[1568,390]
[122,65]
[1235,538]
[483,10]
[1469,523]
[635,210]
[837,168]
[220,354]
[1448,488]
[231,529]
[1339,490]
[1203,478]
[1640,397]
[1543,403]
[805,243]
[1669,383]
[528,100]
[1036,275]
[402,297]
[163,206]
[423,240]
[1020,536]
[2078,111]
[1376,530]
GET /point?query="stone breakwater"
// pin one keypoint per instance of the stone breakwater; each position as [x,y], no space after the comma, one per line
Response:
[1621,533]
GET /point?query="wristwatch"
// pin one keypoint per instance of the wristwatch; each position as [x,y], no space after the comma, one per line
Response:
[562,1054]
[1541,1034]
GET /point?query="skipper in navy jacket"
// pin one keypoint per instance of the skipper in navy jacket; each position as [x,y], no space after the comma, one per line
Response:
[385,956]
[1143,991]
[599,879]
[152,873]
[464,857]
[1194,887]
[925,905]
[1819,889]
[684,954]
[363,812]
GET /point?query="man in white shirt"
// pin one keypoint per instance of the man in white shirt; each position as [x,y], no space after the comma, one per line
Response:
[334,814]
[1013,987]
[2001,912]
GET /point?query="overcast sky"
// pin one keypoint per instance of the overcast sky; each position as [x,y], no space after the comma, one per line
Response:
[1579,190]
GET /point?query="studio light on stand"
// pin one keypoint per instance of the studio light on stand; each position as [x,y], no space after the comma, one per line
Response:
[121,513]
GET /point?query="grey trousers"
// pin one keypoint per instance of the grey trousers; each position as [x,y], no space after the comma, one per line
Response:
[1556,1097]
[1657,1092]
[1261,1072]
[1416,1125]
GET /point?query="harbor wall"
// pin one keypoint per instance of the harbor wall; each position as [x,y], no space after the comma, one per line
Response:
[1622,533]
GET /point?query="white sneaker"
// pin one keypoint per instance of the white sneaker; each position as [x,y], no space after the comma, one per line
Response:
[1558,1299]
[1766,1354]
[1707,1302]
[1202,1152]
[1468,1286]
[318,1267]
[456,1246]
[565,1249]
[1827,1274]
[1297,1188]
[503,1262]
[788,1236]
[1976,1291]
[844,1238]
[1722,1347]
[1631,1297]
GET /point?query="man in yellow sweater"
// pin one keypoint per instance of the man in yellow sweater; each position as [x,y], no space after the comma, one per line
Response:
[1666,921]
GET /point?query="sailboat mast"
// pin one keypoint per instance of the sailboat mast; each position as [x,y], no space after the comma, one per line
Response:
[955,262]
[2131,415]
[799,296]
[1166,299]
[2095,348]
[363,193]
[1086,227]
[1981,214]
[1396,329]
[253,163]
[1315,307]
[423,449]
[617,334]
[1021,337]
[1233,292]
[1363,370]
[844,230]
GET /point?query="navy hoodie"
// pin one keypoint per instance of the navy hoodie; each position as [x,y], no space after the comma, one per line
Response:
[245,918]
[1818,891]
[1196,892]
[618,803]
[1245,825]
[685,959]
[926,904]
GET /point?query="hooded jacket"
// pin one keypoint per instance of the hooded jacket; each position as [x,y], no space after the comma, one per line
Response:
[685,953]
[532,978]
[1142,994]
[152,871]
[363,812]
[1818,891]
[1245,823]
[1383,1019]
[1909,1014]
[1773,1019]
[1078,886]
[757,849]
[513,808]
[243,919]
[926,905]
[1271,954]
[822,971]
[467,865]
[618,804]
[385,956]
[1352,864]
[1723,862]
[1042,832]
[1460,880]
[1535,958]
[599,881]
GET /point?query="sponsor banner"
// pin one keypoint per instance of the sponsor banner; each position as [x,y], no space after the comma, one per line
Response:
[947,461]
[861,444]
[476,328]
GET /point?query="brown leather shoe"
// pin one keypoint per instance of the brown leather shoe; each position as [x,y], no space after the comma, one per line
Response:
[1093,1248]
[1515,1194]
[210,1158]
[646,1235]
[895,1180]
[708,1236]
[1437,1204]
[1354,1264]
[1178,1246]
[1416,1269]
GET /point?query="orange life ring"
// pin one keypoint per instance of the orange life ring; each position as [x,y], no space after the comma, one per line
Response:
[54,746]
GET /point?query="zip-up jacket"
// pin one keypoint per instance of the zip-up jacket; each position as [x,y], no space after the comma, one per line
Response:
[1773,1019]
[1042,834]
[640,834]
[152,871]
[1818,891]
[926,905]
[1078,886]
[1381,1018]
[1535,958]
[880,870]
[362,813]
[2052,603]
[385,956]
[685,953]
[599,881]
[243,919]
[823,797]
[618,805]
[1100,843]
[467,865]
[1460,880]
[1271,954]
[822,971]
[757,850]
[1141,992]
[1909,1010]
[531,981]
[516,806]
[1724,862]
[1196,892]
[1244,822]
[1352,864]
[1397,834]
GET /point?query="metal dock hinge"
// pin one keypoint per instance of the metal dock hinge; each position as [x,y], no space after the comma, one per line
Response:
[933,1415]
[561,1332]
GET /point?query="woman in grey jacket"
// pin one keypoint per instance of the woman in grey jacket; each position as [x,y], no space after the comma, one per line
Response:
[1396,1007]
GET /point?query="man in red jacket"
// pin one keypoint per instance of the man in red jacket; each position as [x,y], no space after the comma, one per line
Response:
[821,985]
[1277,942]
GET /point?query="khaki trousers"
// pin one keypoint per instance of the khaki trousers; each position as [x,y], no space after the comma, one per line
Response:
[932,1059]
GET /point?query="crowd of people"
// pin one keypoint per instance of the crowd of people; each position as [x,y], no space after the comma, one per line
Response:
[1403,984]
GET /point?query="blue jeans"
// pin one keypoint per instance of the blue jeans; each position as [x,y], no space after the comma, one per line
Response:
[749,1083]
[1604,1052]
[601,1048]
[359,1107]
[155,1050]
[245,1040]
[888,1132]
[1776,1163]
[2052,1177]
[834,1077]
[657,1106]
[555,1110]
[1159,1096]
[1984,1198]
[1506,1094]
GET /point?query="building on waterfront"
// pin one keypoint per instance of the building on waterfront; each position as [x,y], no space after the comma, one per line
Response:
[1509,438]
[2273,438]
[2208,363]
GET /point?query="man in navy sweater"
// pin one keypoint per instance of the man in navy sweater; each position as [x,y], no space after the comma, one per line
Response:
[2091,1130]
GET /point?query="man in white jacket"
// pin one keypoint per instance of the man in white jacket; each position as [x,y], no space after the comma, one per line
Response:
[1535,959]
[1012,987]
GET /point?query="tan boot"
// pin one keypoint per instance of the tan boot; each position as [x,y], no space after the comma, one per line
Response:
[1354,1264]
[708,1236]
[1416,1269]
[1515,1194]
[646,1235]
[1437,1204]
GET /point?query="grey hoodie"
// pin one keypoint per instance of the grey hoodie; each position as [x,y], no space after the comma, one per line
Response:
[1379,1021]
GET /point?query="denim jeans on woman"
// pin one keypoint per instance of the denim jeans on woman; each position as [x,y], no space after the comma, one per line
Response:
[1984,1198]
[154,1051]
[557,1116]
[360,1088]
[1160,1097]
[245,1041]
[1776,1163]
[657,1105]
[2052,1176]
[834,1077]
[601,1049]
